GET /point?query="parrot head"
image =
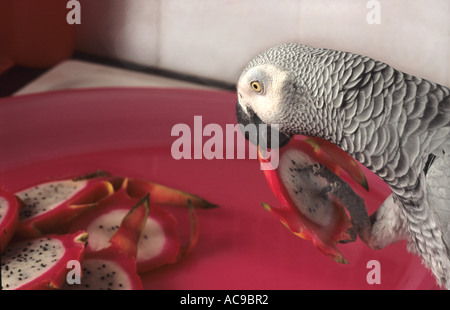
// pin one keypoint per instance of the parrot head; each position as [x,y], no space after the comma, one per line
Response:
[283,86]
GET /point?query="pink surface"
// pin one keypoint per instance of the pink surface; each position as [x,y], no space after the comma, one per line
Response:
[241,246]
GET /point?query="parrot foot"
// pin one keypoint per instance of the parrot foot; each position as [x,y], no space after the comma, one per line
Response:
[387,225]
[361,224]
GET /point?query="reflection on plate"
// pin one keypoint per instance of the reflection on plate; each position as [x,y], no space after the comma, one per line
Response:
[128,132]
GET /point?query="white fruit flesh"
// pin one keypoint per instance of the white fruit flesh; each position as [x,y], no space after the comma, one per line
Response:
[305,190]
[47,196]
[100,274]
[25,261]
[150,244]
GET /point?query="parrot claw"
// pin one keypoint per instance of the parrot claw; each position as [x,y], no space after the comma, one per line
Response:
[355,206]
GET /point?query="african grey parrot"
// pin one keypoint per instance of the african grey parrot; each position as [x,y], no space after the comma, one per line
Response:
[395,124]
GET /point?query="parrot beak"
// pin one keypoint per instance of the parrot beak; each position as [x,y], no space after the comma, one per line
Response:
[266,133]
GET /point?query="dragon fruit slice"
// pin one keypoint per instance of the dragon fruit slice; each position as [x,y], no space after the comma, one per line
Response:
[49,207]
[164,195]
[108,270]
[114,267]
[158,244]
[9,217]
[40,263]
[315,201]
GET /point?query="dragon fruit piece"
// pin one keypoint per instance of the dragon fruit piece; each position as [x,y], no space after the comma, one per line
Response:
[165,196]
[158,243]
[40,263]
[316,202]
[49,207]
[114,267]
[108,270]
[9,217]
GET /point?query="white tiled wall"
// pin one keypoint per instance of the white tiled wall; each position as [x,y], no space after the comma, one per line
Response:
[215,38]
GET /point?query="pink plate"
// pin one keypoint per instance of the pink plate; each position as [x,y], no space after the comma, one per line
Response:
[128,132]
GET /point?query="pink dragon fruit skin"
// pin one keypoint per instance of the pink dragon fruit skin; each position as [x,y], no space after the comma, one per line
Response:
[9,217]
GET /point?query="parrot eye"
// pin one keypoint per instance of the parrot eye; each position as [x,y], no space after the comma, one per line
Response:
[256,86]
